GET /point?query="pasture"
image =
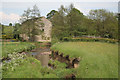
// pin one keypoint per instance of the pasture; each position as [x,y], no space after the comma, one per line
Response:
[98,60]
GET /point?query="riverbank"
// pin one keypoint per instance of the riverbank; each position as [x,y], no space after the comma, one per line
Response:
[97,60]
[94,60]
[34,64]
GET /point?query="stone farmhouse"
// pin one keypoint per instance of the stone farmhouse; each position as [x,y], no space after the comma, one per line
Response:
[44,25]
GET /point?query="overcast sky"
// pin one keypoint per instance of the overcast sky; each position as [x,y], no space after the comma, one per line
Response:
[11,10]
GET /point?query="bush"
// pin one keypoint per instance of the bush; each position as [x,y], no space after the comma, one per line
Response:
[54,40]
[14,40]
[67,39]
[20,38]
[7,36]
[91,39]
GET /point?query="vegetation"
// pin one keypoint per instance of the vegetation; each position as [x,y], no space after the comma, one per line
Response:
[27,26]
[7,32]
[10,24]
[16,31]
[70,22]
[10,32]
[58,65]
[98,60]
[51,14]
[15,47]
[24,68]
[87,39]
[28,23]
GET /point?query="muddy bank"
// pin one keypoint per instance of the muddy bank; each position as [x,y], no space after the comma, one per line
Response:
[72,76]
[71,62]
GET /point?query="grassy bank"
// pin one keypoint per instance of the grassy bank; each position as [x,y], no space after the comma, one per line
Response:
[98,60]
[12,47]
[20,65]
[29,68]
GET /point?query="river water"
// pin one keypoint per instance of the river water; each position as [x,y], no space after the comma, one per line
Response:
[42,54]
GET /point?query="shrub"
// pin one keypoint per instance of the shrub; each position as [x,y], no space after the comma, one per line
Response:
[20,38]
[91,39]
[67,39]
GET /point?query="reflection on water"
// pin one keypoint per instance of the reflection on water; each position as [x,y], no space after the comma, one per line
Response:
[44,59]
[39,54]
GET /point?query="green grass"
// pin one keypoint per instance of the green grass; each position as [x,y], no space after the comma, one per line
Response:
[60,69]
[11,47]
[57,64]
[30,68]
[99,60]
[18,67]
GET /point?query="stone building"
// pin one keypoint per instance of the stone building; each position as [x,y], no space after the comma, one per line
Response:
[45,26]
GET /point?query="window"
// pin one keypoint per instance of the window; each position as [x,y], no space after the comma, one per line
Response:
[42,29]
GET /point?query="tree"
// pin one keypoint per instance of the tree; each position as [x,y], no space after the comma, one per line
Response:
[67,22]
[70,22]
[51,14]
[35,12]
[59,29]
[2,29]
[74,20]
[30,14]
[16,31]
[28,26]
[105,23]
[24,18]
[26,15]
[10,24]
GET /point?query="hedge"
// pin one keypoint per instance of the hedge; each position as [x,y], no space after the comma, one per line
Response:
[91,39]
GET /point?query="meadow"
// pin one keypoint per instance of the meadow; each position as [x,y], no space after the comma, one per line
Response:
[98,60]
[13,47]
[19,65]
[23,66]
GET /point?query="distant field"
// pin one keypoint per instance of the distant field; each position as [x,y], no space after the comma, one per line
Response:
[99,60]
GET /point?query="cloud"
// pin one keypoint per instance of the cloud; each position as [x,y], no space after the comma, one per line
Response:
[86,7]
[60,0]
[84,10]
[9,18]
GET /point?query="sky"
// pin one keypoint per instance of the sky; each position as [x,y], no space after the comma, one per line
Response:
[11,10]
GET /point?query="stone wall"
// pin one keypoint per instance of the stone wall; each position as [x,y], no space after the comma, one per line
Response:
[46,35]
[25,37]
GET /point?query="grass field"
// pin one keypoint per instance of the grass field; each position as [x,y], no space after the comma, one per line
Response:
[22,66]
[99,60]
[11,47]
[29,68]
